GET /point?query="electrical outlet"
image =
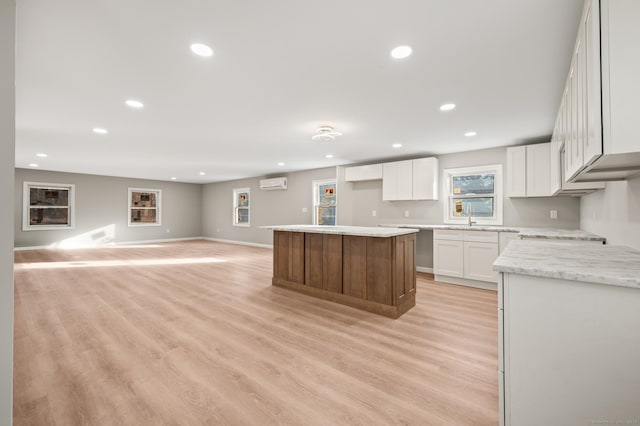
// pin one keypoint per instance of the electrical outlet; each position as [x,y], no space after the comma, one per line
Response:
[406,213]
[374,213]
[304,210]
[553,214]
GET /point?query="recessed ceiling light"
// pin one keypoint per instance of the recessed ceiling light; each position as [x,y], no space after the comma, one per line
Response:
[447,107]
[42,155]
[202,173]
[33,165]
[281,164]
[401,52]
[173,178]
[396,145]
[329,156]
[100,130]
[201,49]
[470,134]
[134,104]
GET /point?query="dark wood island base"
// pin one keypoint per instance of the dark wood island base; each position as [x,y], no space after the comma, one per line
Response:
[372,273]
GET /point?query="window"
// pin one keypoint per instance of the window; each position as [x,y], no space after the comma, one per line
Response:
[474,192]
[241,207]
[47,206]
[144,207]
[324,202]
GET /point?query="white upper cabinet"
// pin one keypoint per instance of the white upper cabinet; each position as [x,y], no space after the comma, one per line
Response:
[516,179]
[410,180]
[528,171]
[361,173]
[596,126]
[425,179]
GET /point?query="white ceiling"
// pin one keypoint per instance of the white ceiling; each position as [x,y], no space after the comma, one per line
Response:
[281,68]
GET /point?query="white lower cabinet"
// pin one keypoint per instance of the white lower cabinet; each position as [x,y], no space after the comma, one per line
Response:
[571,352]
[448,258]
[478,261]
[465,257]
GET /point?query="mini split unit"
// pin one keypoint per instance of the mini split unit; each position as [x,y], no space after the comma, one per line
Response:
[273,183]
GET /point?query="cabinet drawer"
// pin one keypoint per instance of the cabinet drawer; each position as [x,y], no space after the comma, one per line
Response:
[481,236]
[447,234]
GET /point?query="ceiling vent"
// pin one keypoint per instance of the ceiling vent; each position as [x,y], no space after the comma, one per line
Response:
[325,133]
[273,184]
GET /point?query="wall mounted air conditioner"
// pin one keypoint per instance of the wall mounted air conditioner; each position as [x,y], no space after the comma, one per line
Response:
[273,184]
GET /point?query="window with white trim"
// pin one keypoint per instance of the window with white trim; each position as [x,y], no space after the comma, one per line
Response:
[473,192]
[324,202]
[47,206]
[144,207]
[241,207]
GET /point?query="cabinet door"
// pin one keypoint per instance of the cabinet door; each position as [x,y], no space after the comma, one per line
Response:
[313,257]
[478,261]
[352,174]
[555,185]
[448,258]
[379,270]
[288,256]
[516,179]
[425,179]
[332,263]
[389,181]
[404,269]
[404,183]
[538,170]
[591,35]
[354,273]
[373,171]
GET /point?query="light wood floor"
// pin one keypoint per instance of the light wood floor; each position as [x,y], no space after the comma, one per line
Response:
[193,333]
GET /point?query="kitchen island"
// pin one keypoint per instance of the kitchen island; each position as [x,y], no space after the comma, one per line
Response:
[366,268]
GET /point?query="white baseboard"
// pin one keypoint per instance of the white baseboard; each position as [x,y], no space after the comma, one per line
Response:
[466,282]
[112,244]
[242,243]
[424,269]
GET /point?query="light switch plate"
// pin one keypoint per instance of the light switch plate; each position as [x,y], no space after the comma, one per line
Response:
[304,210]
[553,214]
[406,213]
[374,213]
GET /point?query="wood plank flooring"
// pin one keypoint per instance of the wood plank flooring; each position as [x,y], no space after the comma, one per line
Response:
[193,333]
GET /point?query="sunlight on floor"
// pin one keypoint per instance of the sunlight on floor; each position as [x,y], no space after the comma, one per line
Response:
[110,263]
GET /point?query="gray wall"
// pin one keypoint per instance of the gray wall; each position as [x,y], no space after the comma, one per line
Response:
[357,200]
[614,213]
[7,156]
[101,210]
[267,207]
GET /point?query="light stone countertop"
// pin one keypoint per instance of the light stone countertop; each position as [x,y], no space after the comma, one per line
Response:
[523,232]
[360,231]
[574,261]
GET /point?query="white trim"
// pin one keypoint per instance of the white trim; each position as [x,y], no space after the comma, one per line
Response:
[235,206]
[112,244]
[242,243]
[424,269]
[158,208]
[26,205]
[485,285]
[498,194]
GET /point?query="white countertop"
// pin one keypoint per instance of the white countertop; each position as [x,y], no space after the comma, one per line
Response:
[601,264]
[523,232]
[360,231]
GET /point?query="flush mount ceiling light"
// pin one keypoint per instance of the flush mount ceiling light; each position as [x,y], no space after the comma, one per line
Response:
[325,133]
[470,134]
[134,103]
[100,130]
[201,49]
[447,107]
[401,52]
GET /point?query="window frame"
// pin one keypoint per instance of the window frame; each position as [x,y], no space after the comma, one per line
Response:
[234,220]
[26,205]
[158,207]
[496,170]
[315,185]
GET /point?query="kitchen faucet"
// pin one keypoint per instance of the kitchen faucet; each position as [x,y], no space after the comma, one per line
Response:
[470,215]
